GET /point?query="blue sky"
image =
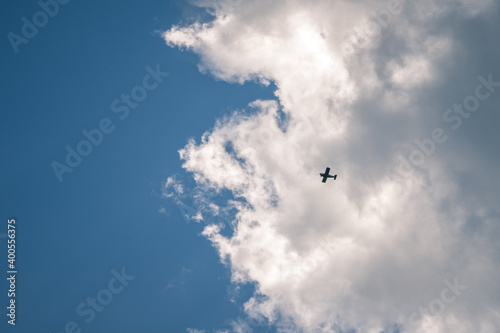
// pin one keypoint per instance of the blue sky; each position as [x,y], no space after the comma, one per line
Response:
[400,99]
[105,214]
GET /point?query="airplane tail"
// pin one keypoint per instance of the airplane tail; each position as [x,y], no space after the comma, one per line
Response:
[335,177]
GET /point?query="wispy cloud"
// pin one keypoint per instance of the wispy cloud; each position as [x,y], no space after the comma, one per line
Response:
[194,330]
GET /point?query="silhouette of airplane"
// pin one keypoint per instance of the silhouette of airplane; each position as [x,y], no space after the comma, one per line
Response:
[327,175]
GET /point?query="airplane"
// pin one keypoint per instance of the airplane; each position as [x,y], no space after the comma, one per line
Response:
[327,175]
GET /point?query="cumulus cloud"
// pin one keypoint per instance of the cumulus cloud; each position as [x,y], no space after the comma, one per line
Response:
[389,245]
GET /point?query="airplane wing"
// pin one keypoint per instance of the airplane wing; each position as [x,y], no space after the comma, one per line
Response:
[324,179]
[327,171]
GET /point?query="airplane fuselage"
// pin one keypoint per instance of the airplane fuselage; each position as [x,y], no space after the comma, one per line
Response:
[327,175]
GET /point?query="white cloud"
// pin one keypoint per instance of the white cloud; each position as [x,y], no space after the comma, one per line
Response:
[194,330]
[371,248]
[172,187]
